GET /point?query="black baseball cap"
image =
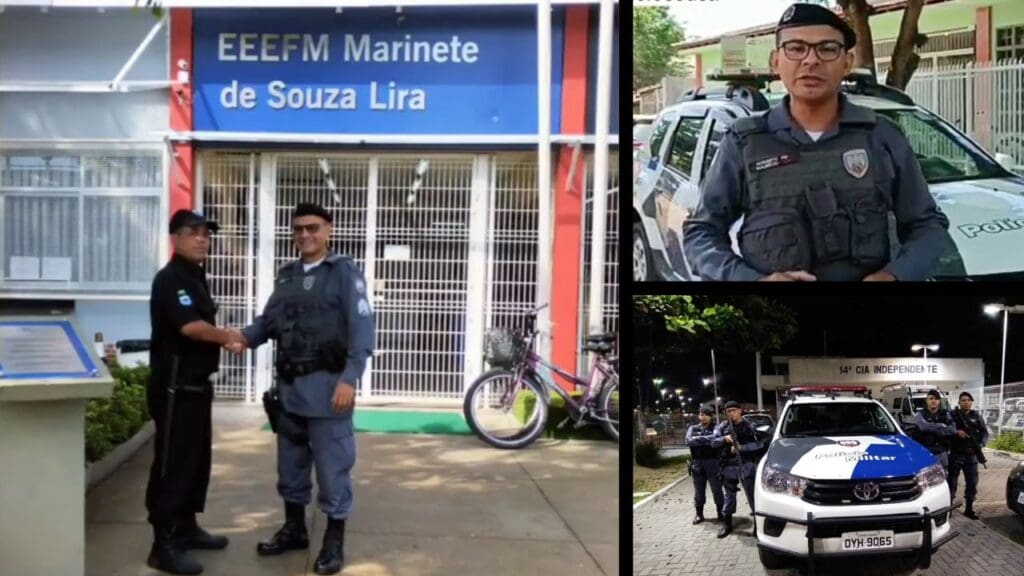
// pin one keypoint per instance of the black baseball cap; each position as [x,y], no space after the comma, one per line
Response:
[968,394]
[191,219]
[935,393]
[310,209]
[707,410]
[732,404]
[813,15]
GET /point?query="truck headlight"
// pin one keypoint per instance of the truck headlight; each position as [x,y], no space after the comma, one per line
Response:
[781,483]
[930,476]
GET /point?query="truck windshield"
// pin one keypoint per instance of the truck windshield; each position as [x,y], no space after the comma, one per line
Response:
[836,419]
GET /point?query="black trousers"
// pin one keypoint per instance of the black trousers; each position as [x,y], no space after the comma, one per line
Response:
[182,491]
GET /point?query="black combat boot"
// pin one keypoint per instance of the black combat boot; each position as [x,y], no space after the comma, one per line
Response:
[191,537]
[969,510]
[167,555]
[726,527]
[700,516]
[718,513]
[332,554]
[291,536]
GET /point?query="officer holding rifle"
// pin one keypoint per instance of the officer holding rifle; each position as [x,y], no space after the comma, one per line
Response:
[965,450]
[744,447]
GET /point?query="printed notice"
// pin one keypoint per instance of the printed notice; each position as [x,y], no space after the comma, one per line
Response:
[57,269]
[24,268]
[397,252]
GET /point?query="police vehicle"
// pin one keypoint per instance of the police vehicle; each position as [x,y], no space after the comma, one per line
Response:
[842,479]
[759,419]
[1015,489]
[904,401]
[982,198]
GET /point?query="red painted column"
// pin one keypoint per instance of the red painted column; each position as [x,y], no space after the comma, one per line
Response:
[568,233]
[983,82]
[182,186]
[698,71]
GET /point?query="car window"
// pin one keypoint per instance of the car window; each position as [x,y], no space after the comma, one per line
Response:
[944,154]
[836,419]
[714,141]
[659,134]
[684,144]
[896,403]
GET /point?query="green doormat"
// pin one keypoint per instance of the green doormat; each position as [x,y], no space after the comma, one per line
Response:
[408,422]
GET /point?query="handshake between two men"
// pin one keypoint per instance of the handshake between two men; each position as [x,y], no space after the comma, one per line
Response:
[236,342]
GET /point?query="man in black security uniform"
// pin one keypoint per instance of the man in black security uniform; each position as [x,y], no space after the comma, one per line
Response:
[934,428]
[743,448]
[185,352]
[965,451]
[323,324]
[704,464]
[816,179]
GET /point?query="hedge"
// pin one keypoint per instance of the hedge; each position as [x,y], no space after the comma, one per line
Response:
[557,412]
[111,421]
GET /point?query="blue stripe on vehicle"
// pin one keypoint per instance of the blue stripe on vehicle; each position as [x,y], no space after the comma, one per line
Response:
[901,457]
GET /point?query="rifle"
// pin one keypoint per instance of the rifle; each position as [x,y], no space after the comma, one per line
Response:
[970,436]
[735,444]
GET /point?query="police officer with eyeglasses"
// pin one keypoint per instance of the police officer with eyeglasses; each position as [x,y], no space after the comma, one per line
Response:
[321,319]
[816,179]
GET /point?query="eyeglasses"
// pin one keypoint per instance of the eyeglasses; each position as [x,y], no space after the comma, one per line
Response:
[193,233]
[827,51]
[311,228]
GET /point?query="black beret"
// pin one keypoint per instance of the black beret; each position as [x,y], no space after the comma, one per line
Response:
[311,209]
[934,392]
[813,15]
[707,410]
[183,218]
[732,404]
[968,394]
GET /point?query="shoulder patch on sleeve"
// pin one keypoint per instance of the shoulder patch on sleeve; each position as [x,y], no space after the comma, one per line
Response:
[184,299]
[364,307]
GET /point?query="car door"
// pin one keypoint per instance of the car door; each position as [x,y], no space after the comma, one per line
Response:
[676,188]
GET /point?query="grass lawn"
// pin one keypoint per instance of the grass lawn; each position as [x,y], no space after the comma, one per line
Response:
[653,479]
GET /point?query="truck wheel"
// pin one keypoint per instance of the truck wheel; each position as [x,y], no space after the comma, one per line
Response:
[642,263]
[770,560]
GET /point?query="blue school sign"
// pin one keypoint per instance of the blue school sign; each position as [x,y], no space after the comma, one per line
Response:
[371,71]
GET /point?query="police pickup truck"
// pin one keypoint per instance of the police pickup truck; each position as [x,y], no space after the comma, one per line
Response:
[842,479]
[983,199]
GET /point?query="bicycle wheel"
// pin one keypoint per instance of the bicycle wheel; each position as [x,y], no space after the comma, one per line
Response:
[503,412]
[608,407]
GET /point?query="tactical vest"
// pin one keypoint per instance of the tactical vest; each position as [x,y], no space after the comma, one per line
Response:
[822,207]
[934,442]
[745,434]
[310,328]
[703,452]
[960,445]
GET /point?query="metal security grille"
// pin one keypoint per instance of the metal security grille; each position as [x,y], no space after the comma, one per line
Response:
[448,244]
[513,232]
[229,191]
[420,288]
[610,305]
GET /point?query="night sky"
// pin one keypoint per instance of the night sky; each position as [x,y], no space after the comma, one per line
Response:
[869,326]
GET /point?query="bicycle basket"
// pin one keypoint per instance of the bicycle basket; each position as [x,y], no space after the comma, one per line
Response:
[504,348]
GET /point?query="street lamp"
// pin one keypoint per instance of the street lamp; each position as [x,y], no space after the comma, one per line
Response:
[709,382]
[993,310]
[925,348]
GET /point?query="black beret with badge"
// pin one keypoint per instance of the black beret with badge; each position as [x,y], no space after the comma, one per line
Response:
[311,209]
[814,15]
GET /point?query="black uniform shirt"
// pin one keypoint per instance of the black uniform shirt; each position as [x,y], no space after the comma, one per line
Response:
[179,296]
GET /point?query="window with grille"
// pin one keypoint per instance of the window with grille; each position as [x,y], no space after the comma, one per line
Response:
[1010,43]
[77,221]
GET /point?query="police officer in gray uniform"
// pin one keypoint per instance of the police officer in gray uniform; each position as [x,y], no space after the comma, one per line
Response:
[323,324]
[743,447]
[704,464]
[935,428]
[816,179]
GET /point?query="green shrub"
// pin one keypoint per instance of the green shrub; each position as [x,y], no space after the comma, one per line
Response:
[647,454]
[1008,441]
[111,421]
[557,412]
